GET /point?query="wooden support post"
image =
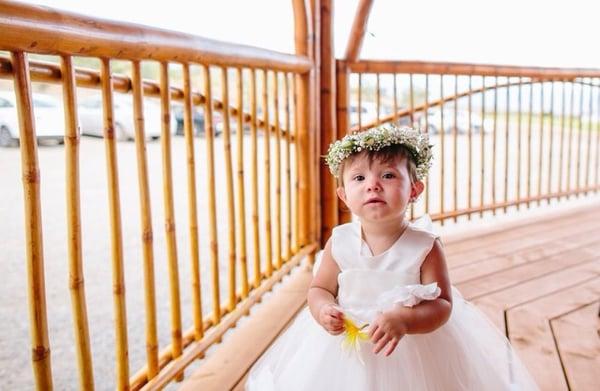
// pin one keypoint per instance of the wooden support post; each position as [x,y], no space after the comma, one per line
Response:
[329,204]
[343,120]
[359,26]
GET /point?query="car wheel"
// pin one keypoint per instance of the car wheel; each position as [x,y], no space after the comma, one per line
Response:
[6,139]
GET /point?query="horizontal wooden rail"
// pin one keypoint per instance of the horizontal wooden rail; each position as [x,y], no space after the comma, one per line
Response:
[42,30]
[449,68]
[46,72]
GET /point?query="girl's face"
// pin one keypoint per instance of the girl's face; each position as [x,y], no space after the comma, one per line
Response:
[377,191]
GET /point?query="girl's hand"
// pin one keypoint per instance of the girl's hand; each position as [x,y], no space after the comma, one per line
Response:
[386,331]
[332,319]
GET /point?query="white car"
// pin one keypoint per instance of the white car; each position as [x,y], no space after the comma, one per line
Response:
[92,123]
[49,118]
[434,122]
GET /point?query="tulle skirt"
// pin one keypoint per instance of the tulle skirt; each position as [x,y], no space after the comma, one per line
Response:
[466,353]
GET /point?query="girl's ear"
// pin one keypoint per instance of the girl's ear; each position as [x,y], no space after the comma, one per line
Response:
[416,190]
[341,193]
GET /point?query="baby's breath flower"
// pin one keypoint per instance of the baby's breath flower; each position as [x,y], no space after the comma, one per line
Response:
[377,138]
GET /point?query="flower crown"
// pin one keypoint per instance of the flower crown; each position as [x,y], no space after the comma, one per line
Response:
[377,138]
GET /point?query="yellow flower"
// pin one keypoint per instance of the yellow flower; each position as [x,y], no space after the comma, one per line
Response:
[352,337]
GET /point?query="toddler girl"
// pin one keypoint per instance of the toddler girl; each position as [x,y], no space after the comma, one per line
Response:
[382,314]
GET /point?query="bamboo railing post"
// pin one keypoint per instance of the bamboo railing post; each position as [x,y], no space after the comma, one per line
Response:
[188,127]
[277,169]
[267,175]
[506,142]
[287,168]
[165,141]
[254,179]
[76,280]
[343,122]
[359,27]
[146,222]
[241,197]
[229,186]
[541,143]
[118,279]
[327,103]
[303,142]
[30,170]
[210,185]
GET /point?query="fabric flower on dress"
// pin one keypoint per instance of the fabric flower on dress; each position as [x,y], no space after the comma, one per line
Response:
[408,295]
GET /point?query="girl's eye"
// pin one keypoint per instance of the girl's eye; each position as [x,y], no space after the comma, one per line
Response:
[359,178]
[389,175]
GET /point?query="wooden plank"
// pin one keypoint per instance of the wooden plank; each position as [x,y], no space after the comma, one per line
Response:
[576,335]
[507,232]
[513,276]
[530,333]
[232,360]
[457,241]
[495,304]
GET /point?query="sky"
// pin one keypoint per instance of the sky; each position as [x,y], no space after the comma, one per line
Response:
[509,32]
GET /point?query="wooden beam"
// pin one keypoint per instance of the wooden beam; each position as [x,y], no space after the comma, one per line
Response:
[329,204]
[359,27]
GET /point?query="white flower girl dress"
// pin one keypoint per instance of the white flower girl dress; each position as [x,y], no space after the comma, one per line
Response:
[466,353]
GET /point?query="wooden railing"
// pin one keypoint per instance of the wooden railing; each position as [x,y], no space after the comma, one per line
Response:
[267,195]
[504,136]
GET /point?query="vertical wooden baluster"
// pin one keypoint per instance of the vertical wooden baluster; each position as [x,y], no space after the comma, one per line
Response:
[455,148]
[550,160]
[589,140]
[165,141]
[241,194]
[210,187]
[267,173]
[297,163]
[426,114]
[229,187]
[254,179]
[494,144]
[470,147]
[482,150]
[395,102]
[40,346]
[118,274]
[397,121]
[529,123]
[519,147]
[377,97]
[442,149]
[146,222]
[412,101]
[596,181]
[359,108]
[287,168]
[562,136]
[541,142]
[188,126]
[579,135]
[275,93]
[506,142]
[570,137]
[76,280]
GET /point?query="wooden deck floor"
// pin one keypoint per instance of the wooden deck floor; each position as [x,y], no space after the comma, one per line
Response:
[538,281]
[540,284]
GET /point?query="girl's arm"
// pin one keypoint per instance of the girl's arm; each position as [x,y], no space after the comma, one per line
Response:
[322,293]
[391,326]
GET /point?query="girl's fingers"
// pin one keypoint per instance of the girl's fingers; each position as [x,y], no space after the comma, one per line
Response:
[377,335]
[381,344]
[391,346]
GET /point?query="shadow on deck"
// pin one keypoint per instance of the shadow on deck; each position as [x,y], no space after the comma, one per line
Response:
[538,280]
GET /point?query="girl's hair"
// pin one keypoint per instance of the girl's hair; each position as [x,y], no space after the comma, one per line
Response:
[385,155]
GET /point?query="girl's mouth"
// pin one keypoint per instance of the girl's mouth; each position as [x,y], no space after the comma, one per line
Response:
[375,201]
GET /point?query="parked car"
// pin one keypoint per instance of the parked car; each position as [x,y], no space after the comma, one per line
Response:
[434,122]
[49,119]
[368,113]
[198,120]
[91,117]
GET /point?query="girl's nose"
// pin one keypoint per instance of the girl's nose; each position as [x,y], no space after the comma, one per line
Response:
[373,184]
